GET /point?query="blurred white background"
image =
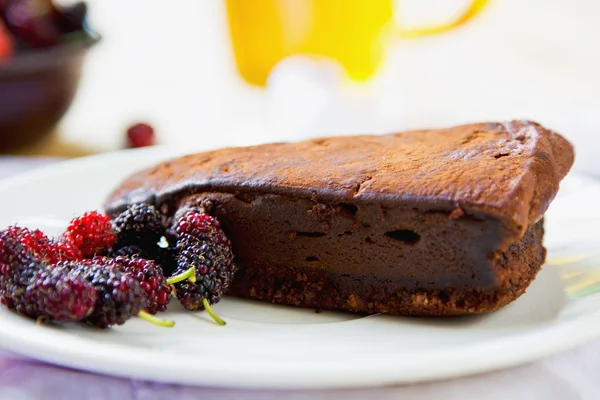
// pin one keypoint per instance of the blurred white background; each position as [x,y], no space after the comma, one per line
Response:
[170,63]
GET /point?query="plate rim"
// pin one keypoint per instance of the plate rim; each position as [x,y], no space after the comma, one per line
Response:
[382,371]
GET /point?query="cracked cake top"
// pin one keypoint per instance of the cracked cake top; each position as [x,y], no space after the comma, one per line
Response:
[510,171]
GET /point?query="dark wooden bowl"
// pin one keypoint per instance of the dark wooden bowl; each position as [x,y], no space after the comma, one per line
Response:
[37,88]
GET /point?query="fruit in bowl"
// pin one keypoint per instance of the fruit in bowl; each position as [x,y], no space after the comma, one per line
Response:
[42,46]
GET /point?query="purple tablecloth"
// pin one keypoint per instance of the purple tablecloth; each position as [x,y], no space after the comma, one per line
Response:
[573,374]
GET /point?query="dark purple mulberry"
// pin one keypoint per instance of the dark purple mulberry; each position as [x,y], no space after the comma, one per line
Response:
[149,276]
[120,297]
[200,226]
[163,257]
[18,264]
[202,244]
[55,295]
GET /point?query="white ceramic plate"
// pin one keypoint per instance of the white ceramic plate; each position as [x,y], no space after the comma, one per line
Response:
[276,346]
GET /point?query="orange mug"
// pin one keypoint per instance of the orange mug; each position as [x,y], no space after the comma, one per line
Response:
[263,32]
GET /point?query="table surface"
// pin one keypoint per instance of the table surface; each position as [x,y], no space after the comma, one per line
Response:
[571,375]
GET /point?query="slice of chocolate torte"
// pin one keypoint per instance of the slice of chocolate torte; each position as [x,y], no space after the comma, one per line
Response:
[431,222]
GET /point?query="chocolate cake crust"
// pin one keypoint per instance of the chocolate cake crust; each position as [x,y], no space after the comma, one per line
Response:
[437,222]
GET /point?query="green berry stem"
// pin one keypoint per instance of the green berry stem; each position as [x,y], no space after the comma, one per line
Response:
[210,312]
[156,321]
[189,274]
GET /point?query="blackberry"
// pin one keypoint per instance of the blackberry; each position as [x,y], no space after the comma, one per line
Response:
[140,225]
[149,276]
[55,295]
[204,254]
[91,234]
